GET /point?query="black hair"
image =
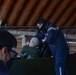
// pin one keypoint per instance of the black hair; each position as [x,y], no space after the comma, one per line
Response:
[43,21]
[7,39]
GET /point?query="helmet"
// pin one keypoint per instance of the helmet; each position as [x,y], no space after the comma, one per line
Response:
[35,41]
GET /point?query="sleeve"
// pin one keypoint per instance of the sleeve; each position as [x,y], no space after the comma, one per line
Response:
[3,73]
[40,35]
[52,34]
[23,49]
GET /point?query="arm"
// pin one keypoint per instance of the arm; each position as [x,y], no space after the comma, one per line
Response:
[52,34]
[40,35]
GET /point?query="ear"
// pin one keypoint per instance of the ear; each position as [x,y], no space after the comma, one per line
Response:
[4,51]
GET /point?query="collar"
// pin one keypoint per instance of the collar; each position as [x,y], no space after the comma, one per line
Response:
[3,67]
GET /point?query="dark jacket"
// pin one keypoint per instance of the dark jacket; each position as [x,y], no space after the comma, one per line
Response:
[3,68]
[32,51]
[54,38]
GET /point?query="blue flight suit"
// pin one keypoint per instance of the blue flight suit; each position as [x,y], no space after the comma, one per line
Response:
[57,44]
[3,68]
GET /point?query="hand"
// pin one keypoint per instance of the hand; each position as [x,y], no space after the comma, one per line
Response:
[43,40]
[27,43]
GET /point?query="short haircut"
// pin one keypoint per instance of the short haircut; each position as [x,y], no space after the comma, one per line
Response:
[41,20]
[7,40]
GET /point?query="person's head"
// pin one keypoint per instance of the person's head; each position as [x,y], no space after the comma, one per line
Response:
[41,23]
[34,42]
[8,44]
